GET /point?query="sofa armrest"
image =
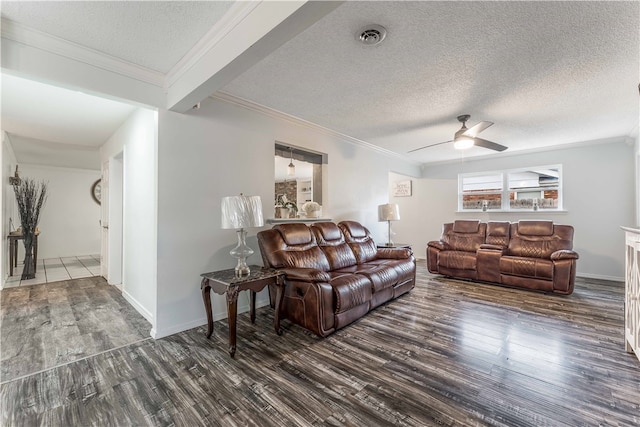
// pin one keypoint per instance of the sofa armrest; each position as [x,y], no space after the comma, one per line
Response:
[492,247]
[394,253]
[488,262]
[564,254]
[306,274]
[438,244]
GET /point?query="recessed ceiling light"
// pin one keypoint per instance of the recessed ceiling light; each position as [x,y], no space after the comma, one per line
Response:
[372,34]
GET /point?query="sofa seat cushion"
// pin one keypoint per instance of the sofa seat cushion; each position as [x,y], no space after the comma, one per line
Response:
[527,267]
[350,290]
[405,268]
[531,248]
[459,260]
[381,276]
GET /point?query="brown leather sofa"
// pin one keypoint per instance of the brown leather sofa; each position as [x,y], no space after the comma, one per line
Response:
[335,274]
[525,254]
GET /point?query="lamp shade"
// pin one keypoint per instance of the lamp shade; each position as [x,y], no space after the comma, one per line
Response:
[389,212]
[241,212]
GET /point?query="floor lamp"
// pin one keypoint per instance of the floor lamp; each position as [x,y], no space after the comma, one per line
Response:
[389,212]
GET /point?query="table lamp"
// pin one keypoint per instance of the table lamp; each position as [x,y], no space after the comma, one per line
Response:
[240,212]
[389,212]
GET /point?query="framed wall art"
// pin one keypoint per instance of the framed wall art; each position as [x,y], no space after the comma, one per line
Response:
[402,188]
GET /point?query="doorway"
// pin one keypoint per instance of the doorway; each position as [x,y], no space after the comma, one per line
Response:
[114,220]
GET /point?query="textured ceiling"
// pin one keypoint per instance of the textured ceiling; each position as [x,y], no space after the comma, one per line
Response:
[545,72]
[152,34]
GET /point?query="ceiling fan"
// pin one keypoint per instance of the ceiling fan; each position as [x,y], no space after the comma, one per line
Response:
[467,137]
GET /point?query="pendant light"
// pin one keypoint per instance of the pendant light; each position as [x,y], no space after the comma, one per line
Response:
[291,169]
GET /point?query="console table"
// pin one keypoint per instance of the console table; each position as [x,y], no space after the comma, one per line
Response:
[13,238]
[276,221]
[394,245]
[632,291]
[225,282]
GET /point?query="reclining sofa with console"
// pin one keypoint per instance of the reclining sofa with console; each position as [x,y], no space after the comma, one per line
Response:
[334,274]
[525,254]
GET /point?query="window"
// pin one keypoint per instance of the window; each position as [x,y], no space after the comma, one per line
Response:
[482,192]
[537,188]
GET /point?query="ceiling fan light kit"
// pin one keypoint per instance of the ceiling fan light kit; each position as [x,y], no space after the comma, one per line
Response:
[463,143]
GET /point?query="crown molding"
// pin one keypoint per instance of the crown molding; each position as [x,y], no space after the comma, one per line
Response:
[523,152]
[236,14]
[51,144]
[270,112]
[28,36]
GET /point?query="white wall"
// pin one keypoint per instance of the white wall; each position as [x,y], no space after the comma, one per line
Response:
[136,142]
[8,210]
[222,150]
[637,144]
[70,219]
[599,197]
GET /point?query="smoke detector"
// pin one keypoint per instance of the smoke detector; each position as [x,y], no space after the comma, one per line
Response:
[372,35]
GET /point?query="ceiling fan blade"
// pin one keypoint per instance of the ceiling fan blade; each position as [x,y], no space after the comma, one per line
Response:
[474,130]
[479,142]
[427,146]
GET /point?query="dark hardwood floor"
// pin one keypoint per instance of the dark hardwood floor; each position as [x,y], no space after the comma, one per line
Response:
[449,353]
[51,324]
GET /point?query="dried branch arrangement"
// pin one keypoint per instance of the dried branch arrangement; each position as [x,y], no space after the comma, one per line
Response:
[30,196]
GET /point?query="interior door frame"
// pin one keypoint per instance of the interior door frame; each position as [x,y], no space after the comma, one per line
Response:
[116,222]
[104,220]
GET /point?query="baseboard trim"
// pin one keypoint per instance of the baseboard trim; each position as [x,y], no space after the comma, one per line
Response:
[139,307]
[165,332]
[600,277]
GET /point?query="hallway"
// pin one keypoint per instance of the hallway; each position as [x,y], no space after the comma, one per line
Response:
[57,269]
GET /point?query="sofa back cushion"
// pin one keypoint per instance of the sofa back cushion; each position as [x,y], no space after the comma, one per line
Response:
[539,239]
[331,241]
[466,226]
[464,235]
[535,228]
[360,241]
[291,245]
[498,233]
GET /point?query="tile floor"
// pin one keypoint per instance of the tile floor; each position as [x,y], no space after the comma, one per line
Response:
[56,269]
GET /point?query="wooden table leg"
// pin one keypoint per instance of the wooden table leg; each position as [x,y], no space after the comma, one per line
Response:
[206,296]
[232,314]
[279,296]
[11,260]
[252,306]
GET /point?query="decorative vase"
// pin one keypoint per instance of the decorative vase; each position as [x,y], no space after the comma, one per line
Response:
[28,271]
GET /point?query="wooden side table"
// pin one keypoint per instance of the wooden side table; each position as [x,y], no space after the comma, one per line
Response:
[13,238]
[225,282]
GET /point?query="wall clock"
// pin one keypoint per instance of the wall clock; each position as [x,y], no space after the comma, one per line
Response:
[96,191]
